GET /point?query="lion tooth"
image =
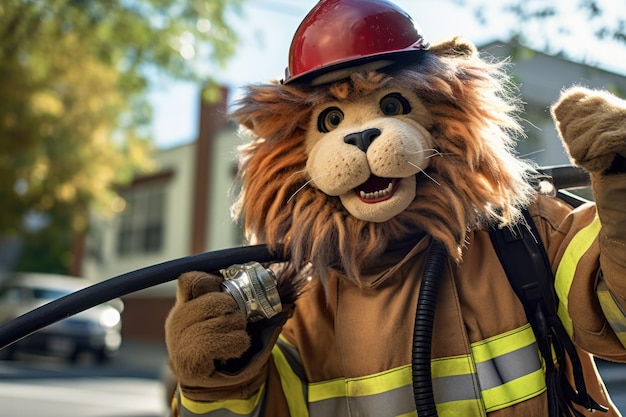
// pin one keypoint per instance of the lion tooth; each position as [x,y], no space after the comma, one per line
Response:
[377,194]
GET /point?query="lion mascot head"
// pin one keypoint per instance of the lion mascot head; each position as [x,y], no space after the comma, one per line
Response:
[338,171]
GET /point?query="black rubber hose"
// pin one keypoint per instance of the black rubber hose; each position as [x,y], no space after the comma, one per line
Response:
[423,332]
[127,283]
[567,176]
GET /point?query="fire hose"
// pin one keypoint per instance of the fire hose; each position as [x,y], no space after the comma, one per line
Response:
[127,283]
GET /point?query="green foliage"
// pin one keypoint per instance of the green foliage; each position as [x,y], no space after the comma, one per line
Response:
[47,251]
[73,109]
[556,27]
[599,16]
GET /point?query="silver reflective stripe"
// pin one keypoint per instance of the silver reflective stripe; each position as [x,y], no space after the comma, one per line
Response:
[456,388]
[395,402]
[508,367]
[293,358]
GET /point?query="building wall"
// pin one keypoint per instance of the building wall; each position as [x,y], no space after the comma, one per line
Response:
[222,232]
[541,78]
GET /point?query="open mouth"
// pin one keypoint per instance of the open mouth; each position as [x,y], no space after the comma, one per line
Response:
[377,189]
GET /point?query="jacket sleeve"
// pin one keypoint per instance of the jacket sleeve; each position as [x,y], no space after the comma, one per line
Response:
[268,401]
[611,285]
[590,272]
[254,389]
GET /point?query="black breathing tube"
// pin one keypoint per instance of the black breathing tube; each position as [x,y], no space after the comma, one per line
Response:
[423,332]
[150,276]
[140,279]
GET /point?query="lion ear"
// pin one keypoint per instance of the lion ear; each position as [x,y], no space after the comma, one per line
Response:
[456,47]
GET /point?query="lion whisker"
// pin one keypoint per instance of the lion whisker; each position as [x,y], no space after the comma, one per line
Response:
[434,151]
[304,185]
[295,173]
[441,154]
[425,173]
[526,155]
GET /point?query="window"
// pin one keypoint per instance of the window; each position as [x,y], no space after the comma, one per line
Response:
[142,221]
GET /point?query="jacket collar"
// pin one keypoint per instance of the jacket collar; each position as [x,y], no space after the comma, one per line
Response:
[397,254]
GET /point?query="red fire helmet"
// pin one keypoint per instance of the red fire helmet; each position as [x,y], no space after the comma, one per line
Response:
[339,35]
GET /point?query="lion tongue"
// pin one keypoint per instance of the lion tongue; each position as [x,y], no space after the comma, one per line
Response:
[376,189]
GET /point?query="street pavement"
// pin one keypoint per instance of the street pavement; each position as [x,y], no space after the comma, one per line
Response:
[136,359]
[130,385]
[614,376]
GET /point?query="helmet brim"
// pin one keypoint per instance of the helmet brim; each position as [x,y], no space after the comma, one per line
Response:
[342,69]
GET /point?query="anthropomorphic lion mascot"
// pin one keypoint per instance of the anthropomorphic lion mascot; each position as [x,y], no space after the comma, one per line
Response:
[379,163]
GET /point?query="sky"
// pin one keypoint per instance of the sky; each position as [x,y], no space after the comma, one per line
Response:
[266,27]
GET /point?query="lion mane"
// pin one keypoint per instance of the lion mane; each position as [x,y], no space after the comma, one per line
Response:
[475,179]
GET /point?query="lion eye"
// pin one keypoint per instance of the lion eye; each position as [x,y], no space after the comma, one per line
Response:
[329,119]
[394,104]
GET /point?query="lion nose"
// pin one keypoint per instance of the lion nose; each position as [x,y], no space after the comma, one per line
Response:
[362,140]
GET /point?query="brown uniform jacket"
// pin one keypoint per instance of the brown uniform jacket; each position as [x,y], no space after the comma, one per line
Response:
[348,348]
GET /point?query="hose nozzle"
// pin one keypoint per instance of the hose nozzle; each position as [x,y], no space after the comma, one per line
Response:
[254,288]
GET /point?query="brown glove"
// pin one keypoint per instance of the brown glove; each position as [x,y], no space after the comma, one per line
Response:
[214,353]
[592,125]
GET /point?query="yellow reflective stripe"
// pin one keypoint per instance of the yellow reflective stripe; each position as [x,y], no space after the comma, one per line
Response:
[293,358]
[452,366]
[362,386]
[514,392]
[503,343]
[567,268]
[613,312]
[239,407]
[465,408]
[291,384]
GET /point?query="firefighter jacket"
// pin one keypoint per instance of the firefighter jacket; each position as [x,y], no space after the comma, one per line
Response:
[346,351]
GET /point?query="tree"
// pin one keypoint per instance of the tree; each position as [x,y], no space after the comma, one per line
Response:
[571,28]
[73,109]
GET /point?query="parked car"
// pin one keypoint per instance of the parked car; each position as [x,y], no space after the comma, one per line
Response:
[96,331]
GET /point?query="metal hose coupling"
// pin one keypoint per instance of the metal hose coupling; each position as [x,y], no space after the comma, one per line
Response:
[254,288]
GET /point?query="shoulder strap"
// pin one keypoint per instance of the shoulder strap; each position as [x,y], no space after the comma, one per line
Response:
[527,267]
[526,264]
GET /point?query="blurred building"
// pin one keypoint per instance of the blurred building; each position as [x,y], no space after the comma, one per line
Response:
[183,208]
[541,78]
